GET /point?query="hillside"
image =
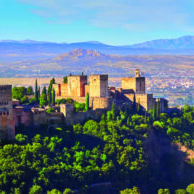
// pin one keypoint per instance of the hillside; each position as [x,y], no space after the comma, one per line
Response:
[125,148]
[93,61]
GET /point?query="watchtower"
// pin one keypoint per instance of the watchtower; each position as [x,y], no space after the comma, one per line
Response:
[98,85]
[76,85]
[135,84]
[7,124]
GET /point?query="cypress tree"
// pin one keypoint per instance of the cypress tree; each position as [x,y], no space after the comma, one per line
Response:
[39,93]
[36,91]
[43,100]
[158,109]
[128,121]
[52,81]
[49,92]
[145,118]
[113,111]
[44,90]
[53,97]
[154,111]
[138,106]
[134,104]
[87,102]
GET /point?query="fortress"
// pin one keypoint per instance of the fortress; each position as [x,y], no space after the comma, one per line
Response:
[101,97]
[77,87]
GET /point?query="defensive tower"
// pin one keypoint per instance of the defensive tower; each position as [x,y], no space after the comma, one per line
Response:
[7,124]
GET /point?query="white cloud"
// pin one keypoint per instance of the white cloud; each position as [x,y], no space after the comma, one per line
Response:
[127,14]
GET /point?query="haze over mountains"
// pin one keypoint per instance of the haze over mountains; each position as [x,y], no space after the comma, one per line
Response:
[43,59]
[183,46]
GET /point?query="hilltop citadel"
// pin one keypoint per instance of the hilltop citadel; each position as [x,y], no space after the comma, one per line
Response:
[101,97]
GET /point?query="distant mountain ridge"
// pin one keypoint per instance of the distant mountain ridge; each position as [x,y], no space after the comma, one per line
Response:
[183,45]
[184,42]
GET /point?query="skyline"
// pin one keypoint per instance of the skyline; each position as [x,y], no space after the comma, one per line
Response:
[66,21]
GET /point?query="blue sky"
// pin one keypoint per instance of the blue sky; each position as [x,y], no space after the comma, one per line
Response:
[116,22]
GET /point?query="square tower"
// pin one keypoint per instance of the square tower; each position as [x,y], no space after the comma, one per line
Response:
[137,83]
[7,124]
[98,85]
[76,85]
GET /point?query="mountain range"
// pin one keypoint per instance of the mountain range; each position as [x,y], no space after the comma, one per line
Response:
[45,59]
[179,46]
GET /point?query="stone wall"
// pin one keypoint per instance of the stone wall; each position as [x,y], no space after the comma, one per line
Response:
[146,100]
[74,118]
[128,83]
[40,117]
[23,117]
[94,102]
[57,88]
[163,104]
[55,119]
[87,90]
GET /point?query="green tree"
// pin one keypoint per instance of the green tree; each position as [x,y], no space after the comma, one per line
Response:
[158,109]
[53,97]
[44,90]
[19,92]
[138,106]
[163,191]
[180,191]
[87,102]
[134,104]
[68,191]
[135,190]
[190,188]
[36,91]
[30,90]
[32,100]
[39,93]
[113,111]
[24,100]
[91,127]
[17,191]
[49,91]
[43,100]
[65,80]
[154,112]
[145,117]
[21,138]
[54,191]
[35,189]
[78,128]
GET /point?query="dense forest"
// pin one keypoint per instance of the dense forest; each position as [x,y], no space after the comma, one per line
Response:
[126,151]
